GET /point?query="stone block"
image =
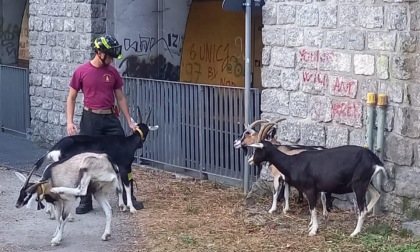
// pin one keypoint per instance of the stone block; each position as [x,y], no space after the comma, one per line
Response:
[406,42]
[308,59]
[413,226]
[314,82]
[275,100]
[383,41]
[413,90]
[347,15]
[46,81]
[394,90]
[371,16]
[69,25]
[298,104]
[266,56]
[407,182]
[328,16]
[38,24]
[399,150]
[356,40]
[348,112]
[289,131]
[290,80]
[314,37]
[407,122]
[357,137]
[283,57]
[397,17]
[400,67]
[294,37]
[273,36]
[335,61]
[342,86]
[269,14]
[364,64]
[73,40]
[286,14]
[320,108]
[47,25]
[414,17]
[337,136]
[336,39]
[312,134]
[307,15]
[271,77]
[382,67]
[367,86]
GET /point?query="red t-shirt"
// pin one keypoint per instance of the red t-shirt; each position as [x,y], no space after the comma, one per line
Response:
[97,85]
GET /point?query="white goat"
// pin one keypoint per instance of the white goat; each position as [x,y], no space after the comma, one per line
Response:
[62,182]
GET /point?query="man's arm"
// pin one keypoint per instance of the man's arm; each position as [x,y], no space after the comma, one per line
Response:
[122,104]
[71,101]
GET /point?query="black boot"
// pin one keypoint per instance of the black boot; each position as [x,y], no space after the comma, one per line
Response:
[138,205]
[85,205]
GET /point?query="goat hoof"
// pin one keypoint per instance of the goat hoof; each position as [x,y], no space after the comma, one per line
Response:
[105,237]
[133,210]
[55,242]
[271,211]
[312,233]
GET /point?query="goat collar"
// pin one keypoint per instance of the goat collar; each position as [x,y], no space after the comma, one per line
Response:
[140,132]
[42,195]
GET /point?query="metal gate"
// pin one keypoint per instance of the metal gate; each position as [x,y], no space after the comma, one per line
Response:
[197,126]
[14,99]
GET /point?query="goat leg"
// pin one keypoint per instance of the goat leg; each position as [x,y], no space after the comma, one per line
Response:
[128,195]
[59,230]
[275,194]
[286,197]
[103,201]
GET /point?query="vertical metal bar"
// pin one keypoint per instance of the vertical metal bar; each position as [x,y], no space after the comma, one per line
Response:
[212,123]
[207,128]
[201,135]
[231,131]
[381,106]
[248,14]
[196,122]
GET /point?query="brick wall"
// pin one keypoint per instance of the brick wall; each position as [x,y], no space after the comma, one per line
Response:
[60,36]
[320,60]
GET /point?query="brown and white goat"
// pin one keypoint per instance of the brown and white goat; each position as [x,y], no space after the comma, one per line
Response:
[251,136]
[63,181]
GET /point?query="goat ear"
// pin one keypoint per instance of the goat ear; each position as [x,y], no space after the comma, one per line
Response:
[20,176]
[257,145]
[154,127]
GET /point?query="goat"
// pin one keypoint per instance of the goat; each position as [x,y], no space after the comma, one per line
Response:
[337,170]
[120,148]
[251,136]
[69,178]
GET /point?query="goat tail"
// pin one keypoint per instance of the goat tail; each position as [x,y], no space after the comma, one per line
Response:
[388,180]
[39,162]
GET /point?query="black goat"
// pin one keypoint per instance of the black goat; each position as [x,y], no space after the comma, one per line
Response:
[121,150]
[337,170]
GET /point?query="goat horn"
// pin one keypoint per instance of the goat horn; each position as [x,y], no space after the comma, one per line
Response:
[148,116]
[279,120]
[139,114]
[256,123]
[29,176]
[263,132]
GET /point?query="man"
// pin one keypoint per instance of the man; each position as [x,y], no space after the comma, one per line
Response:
[101,84]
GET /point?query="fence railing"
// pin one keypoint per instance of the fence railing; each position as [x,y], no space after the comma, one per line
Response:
[14,99]
[197,125]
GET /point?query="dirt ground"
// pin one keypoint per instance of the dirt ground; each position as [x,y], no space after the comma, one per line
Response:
[192,215]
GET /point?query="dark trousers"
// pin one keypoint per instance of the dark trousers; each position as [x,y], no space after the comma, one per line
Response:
[99,125]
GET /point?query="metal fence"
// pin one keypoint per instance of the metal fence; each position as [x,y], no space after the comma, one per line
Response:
[197,126]
[14,99]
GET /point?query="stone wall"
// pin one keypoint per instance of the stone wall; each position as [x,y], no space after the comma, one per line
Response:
[320,60]
[60,35]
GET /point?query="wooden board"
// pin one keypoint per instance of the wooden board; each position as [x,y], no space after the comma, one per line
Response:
[214,45]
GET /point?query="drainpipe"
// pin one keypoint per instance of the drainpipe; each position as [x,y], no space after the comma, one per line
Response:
[371,102]
[248,38]
[381,108]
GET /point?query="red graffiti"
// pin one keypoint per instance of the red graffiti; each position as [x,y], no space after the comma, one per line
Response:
[347,110]
[315,78]
[309,56]
[344,87]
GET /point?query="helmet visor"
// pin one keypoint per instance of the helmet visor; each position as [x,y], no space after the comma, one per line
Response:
[114,52]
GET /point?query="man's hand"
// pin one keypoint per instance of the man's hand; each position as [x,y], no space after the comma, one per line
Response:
[133,126]
[71,129]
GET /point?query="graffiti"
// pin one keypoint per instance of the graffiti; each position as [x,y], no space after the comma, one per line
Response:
[145,45]
[348,110]
[225,82]
[315,78]
[344,87]
[193,70]
[309,56]
[154,68]
[9,32]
